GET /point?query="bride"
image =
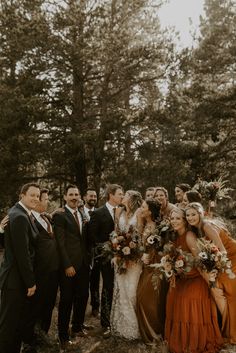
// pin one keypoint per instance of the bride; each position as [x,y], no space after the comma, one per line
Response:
[123,313]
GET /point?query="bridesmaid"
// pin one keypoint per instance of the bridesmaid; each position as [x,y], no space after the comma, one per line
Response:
[150,302]
[191,196]
[225,293]
[191,316]
[161,196]
[180,189]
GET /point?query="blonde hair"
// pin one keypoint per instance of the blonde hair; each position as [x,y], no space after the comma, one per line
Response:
[197,207]
[135,200]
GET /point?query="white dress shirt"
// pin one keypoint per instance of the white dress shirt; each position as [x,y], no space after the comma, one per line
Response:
[87,210]
[40,219]
[110,209]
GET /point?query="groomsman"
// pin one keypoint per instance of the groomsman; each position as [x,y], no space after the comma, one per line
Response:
[46,264]
[100,226]
[74,271]
[90,201]
[17,280]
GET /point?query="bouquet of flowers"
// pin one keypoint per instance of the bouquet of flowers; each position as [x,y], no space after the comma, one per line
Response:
[213,190]
[157,238]
[211,259]
[174,263]
[122,248]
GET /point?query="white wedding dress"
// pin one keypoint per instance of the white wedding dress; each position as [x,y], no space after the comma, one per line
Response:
[124,321]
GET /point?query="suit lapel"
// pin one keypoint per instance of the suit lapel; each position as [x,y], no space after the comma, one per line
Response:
[107,213]
[72,220]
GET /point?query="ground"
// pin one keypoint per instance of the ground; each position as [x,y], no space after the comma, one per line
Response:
[95,343]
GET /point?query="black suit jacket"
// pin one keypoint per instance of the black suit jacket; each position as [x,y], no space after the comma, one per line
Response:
[100,226]
[17,269]
[46,252]
[72,244]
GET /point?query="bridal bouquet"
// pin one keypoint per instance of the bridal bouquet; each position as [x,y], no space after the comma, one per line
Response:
[211,259]
[174,263]
[123,248]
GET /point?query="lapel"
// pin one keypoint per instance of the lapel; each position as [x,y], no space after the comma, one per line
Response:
[72,220]
[32,224]
[41,228]
[108,215]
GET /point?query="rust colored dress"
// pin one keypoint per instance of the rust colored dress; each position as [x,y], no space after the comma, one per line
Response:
[191,316]
[150,305]
[229,289]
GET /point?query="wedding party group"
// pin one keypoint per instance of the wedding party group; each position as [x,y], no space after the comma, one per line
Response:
[154,270]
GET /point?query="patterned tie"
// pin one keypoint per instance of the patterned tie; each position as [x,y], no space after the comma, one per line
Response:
[90,212]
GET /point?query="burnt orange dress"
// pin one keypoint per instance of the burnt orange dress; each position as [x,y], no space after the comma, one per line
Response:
[229,289]
[151,302]
[191,315]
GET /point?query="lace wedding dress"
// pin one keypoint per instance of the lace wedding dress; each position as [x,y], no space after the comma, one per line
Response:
[124,321]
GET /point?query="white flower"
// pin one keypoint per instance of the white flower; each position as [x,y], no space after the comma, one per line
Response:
[169,273]
[203,255]
[179,263]
[151,240]
[126,250]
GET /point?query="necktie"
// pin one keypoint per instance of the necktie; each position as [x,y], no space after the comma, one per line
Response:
[77,219]
[32,219]
[114,213]
[49,227]
[90,212]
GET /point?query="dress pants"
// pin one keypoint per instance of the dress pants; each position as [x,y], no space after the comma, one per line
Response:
[73,292]
[12,311]
[94,285]
[46,297]
[107,293]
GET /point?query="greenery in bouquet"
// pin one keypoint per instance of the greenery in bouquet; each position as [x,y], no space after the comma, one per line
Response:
[211,259]
[213,190]
[175,262]
[122,248]
[162,234]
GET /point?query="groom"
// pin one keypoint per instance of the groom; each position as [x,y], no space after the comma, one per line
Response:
[100,226]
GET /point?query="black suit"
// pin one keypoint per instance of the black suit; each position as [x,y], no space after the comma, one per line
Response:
[100,226]
[47,277]
[73,251]
[16,276]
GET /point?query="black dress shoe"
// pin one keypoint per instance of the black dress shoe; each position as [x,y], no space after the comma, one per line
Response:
[95,312]
[65,346]
[81,333]
[107,332]
[87,327]
[27,348]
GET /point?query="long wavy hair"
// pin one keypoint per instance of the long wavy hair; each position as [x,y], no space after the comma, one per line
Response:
[216,222]
[155,208]
[135,200]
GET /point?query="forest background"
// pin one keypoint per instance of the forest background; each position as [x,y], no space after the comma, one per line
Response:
[94,91]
